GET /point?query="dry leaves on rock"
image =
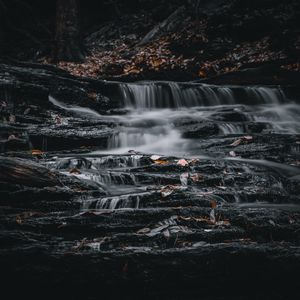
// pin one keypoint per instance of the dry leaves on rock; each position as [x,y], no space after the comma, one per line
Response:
[169,189]
[37,152]
[74,171]
[242,140]
[183,163]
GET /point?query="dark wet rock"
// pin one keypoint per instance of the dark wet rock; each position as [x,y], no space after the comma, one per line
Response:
[16,144]
[24,182]
[26,119]
[129,213]
[230,116]
[46,225]
[33,83]
[64,137]
[199,130]
[13,137]
[27,173]
[256,127]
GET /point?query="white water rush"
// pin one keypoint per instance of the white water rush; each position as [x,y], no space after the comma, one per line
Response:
[163,115]
[182,120]
[161,112]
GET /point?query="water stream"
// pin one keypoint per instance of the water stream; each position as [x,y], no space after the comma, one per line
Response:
[184,120]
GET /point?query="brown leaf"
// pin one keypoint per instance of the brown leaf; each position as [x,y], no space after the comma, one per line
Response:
[182,162]
[161,162]
[37,152]
[213,204]
[236,143]
[223,223]
[248,137]
[74,171]
[202,73]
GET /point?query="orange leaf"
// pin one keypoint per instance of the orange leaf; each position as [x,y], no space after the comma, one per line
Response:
[213,204]
[37,152]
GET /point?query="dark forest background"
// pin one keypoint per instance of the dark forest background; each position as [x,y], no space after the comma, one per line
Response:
[154,39]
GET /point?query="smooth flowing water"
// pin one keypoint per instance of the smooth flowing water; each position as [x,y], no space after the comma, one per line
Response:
[191,121]
[160,112]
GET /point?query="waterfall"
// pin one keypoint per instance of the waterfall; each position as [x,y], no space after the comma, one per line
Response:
[186,120]
[155,95]
[119,202]
[171,117]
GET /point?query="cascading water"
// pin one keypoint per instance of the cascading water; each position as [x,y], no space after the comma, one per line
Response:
[174,95]
[159,112]
[183,119]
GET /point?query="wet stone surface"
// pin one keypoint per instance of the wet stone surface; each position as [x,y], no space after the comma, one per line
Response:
[197,186]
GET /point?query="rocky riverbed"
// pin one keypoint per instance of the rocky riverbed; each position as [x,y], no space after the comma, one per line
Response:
[158,190]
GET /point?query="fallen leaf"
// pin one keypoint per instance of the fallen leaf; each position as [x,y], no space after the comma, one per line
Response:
[202,73]
[37,152]
[161,162]
[213,204]
[245,138]
[223,223]
[248,137]
[155,157]
[182,162]
[232,153]
[169,189]
[236,143]
[74,171]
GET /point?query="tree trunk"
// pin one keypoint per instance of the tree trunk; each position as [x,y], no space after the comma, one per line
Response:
[2,26]
[67,39]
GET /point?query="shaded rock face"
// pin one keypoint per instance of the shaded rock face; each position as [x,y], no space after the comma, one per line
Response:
[149,218]
[27,184]
[165,190]
[199,130]
[19,171]
[69,138]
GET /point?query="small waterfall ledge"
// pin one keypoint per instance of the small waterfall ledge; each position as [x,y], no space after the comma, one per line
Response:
[151,95]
